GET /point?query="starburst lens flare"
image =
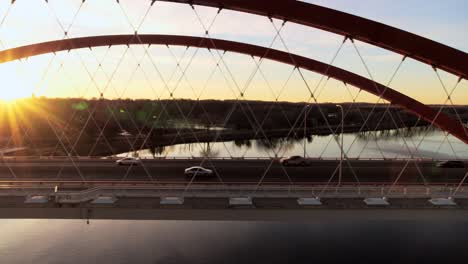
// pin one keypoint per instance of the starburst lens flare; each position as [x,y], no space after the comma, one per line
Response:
[24,121]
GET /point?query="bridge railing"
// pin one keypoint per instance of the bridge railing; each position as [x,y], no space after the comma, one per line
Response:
[104,158]
[240,190]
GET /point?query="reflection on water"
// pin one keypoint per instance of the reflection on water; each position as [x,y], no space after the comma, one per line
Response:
[318,241]
[420,142]
[279,143]
[396,134]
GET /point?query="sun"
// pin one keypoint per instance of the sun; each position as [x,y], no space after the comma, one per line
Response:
[13,95]
[14,84]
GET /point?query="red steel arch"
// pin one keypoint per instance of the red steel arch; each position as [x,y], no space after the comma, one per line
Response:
[441,120]
[407,44]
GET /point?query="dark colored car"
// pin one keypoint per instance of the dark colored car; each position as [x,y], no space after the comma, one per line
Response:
[451,164]
[294,161]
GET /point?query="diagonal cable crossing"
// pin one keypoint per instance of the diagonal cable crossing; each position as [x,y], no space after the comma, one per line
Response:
[163,117]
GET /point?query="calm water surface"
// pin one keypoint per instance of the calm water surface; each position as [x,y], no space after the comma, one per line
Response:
[419,143]
[73,241]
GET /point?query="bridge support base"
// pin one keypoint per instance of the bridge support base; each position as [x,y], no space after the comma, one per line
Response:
[104,200]
[376,201]
[309,201]
[240,201]
[443,201]
[171,201]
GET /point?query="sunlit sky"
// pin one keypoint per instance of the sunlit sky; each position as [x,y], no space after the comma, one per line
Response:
[78,74]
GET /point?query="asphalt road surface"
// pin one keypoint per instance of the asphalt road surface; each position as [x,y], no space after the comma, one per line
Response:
[230,171]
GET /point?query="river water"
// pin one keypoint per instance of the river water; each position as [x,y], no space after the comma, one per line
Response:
[338,241]
[417,143]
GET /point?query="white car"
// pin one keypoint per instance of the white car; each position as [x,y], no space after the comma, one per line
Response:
[128,161]
[198,171]
[294,161]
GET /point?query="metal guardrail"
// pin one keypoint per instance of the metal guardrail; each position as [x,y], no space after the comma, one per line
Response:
[94,183]
[240,190]
[106,158]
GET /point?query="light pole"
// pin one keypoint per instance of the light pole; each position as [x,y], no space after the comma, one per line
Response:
[305,128]
[341,145]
